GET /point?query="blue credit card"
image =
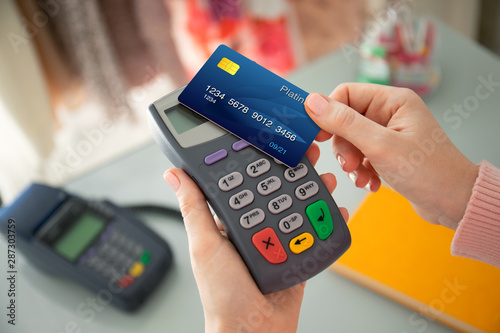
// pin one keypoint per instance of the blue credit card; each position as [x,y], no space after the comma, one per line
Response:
[253,103]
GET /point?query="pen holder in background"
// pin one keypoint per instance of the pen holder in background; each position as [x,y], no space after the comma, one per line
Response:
[400,54]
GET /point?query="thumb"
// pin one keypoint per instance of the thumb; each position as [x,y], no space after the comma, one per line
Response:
[198,220]
[337,118]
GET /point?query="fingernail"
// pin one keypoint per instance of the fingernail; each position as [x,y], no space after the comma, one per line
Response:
[341,160]
[317,104]
[172,180]
[368,187]
[353,177]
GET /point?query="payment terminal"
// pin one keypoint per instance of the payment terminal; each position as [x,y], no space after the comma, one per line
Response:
[283,221]
[98,244]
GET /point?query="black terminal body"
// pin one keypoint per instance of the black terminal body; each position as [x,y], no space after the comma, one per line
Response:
[95,243]
[283,222]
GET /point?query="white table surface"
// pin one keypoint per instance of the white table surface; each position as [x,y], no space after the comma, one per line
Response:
[331,304]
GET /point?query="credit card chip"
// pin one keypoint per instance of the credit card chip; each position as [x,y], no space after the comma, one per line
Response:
[228,65]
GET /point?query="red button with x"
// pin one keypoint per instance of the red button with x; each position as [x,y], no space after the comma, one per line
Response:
[267,243]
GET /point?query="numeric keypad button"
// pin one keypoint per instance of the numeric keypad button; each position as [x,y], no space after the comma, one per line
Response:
[241,199]
[279,204]
[269,185]
[96,263]
[231,181]
[258,167]
[291,223]
[128,263]
[294,174]
[252,218]
[110,273]
[136,250]
[307,190]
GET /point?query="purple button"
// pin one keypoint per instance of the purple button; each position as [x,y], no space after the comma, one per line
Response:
[215,157]
[106,234]
[239,145]
[89,254]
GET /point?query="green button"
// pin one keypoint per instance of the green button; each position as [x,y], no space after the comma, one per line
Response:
[145,257]
[321,220]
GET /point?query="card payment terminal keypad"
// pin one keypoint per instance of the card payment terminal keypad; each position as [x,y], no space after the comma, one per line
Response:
[117,257]
[269,240]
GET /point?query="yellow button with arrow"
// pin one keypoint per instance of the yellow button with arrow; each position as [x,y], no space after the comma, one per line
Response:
[301,243]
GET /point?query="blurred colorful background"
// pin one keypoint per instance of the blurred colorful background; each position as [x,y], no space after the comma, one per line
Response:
[77,76]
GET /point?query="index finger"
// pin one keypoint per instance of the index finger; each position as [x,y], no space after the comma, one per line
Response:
[376,102]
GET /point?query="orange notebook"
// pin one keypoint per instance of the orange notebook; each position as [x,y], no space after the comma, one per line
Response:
[397,254]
